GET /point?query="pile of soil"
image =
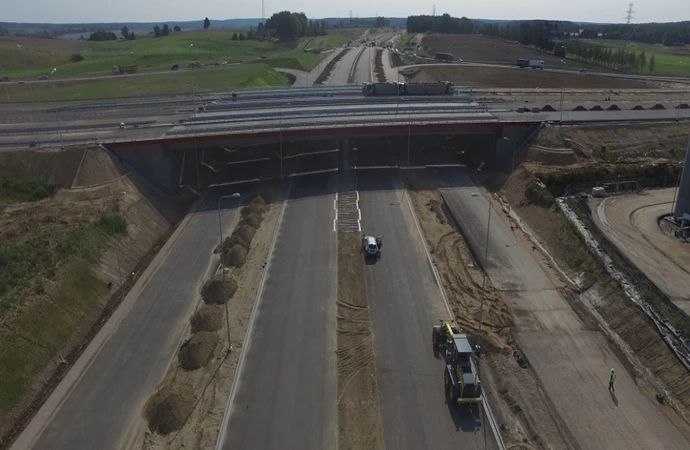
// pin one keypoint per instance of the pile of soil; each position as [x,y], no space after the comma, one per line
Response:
[548,108]
[579,108]
[207,318]
[596,108]
[197,351]
[214,291]
[235,257]
[168,409]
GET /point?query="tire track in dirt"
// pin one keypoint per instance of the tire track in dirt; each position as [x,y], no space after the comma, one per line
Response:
[359,411]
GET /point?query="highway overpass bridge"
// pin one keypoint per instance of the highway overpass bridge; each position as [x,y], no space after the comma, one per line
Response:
[272,132]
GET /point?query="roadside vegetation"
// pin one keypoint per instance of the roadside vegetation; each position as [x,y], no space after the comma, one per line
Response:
[47,285]
[184,83]
[667,60]
[38,57]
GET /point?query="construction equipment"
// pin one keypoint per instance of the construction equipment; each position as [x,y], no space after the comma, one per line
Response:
[371,246]
[462,384]
[121,70]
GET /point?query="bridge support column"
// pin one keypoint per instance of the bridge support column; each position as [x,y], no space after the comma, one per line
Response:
[344,147]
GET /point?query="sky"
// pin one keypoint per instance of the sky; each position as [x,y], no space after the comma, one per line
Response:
[74,11]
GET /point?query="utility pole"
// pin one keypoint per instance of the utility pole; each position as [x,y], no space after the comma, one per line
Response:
[433,10]
[629,14]
[263,13]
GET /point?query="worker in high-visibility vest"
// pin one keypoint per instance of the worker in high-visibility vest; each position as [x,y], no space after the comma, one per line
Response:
[612,379]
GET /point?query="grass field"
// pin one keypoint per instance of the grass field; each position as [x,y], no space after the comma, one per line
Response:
[217,79]
[205,46]
[674,61]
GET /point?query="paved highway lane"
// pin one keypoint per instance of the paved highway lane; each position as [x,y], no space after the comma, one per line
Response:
[100,400]
[405,303]
[342,69]
[364,66]
[286,397]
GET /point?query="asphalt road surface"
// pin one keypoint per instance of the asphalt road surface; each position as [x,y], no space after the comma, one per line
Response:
[405,303]
[286,397]
[571,361]
[364,66]
[342,69]
[99,402]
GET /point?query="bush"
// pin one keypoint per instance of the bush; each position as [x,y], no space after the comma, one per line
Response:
[197,351]
[76,57]
[169,407]
[207,318]
[213,291]
[112,224]
[235,257]
[25,189]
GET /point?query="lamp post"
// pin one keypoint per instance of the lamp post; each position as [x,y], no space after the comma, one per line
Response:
[512,166]
[409,132]
[57,108]
[33,105]
[562,91]
[222,266]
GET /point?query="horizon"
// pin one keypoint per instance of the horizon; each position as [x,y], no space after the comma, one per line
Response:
[587,11]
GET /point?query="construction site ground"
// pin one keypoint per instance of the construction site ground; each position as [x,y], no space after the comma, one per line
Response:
[634,223]
[213,383]
[486,49]
[514,77]
[571,357]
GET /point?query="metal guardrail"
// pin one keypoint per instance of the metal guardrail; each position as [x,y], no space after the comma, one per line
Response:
[315,112]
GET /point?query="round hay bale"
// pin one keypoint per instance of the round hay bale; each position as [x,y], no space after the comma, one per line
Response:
[235,257]
[207,318]
[579,108]
[245,232]
[197,351]
[252,219]
[167,410]
[214,291]
[596,108]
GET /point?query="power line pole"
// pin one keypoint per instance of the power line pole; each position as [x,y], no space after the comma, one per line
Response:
[350,17]
[263,12]
[629,14]
[433,11]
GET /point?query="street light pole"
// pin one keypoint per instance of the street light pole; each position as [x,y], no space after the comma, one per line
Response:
[512,166]
[57,108]
[409,132]
[562,92]
[222,267]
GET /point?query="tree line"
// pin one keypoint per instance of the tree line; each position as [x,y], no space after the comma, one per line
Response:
[290,26]
[616,58]
[439,24]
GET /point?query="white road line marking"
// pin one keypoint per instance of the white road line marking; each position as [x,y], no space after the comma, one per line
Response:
[335,208]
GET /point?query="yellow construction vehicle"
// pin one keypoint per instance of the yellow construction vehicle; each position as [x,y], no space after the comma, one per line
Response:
[460,374]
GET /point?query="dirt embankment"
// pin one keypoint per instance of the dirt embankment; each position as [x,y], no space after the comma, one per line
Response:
[497,77]
[597,292]
[359,412]
[65,303]
[204,367]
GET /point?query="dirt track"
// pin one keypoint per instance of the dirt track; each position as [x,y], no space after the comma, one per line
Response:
[463,75]
[478,48]
[359,412]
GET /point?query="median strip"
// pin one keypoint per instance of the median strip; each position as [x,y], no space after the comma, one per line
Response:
[359,411]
